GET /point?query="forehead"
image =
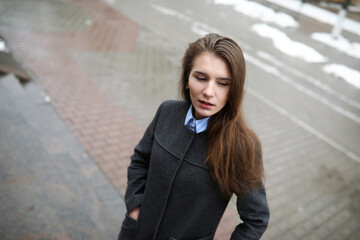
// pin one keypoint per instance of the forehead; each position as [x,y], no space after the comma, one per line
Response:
[210,64]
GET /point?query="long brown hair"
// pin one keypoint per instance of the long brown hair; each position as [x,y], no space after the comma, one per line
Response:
[234,151]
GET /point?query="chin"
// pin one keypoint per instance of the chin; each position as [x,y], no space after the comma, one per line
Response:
[205,115]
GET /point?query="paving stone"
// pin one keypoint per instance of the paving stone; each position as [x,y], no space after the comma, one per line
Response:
[44,193]
[106,74]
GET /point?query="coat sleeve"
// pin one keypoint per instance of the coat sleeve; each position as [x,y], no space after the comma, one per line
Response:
[139,166]
[254,212]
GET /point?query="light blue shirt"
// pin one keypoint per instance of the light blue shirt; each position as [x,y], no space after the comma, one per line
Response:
[194,125]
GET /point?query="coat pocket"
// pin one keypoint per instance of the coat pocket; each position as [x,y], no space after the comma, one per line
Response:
[128,228]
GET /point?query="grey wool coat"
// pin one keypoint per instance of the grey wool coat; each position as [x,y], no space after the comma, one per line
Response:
[179,200]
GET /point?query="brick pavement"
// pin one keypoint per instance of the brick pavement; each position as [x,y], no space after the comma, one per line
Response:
[96,121]
[106,75]
[50,188]
[92,100]
[313,189]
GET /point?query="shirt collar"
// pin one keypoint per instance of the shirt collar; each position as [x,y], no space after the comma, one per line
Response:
[201,124]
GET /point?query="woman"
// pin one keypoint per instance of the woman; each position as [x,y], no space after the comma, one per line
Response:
[196,153]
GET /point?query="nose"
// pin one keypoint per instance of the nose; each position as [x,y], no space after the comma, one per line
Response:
[209,90]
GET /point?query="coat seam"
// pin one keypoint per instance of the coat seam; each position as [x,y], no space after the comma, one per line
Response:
[171,185]
[174,154]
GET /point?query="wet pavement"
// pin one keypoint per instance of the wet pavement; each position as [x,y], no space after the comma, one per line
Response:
[50,188]
[107,65]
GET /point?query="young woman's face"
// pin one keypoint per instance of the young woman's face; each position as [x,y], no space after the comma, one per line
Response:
[209,83]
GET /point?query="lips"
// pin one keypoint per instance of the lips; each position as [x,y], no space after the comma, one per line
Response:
[206,103]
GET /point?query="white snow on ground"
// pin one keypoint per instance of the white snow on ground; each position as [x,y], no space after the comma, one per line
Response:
[3,47]
[348,74]
[286,45]
[258,11]
[341,43]
[308,78]
[318,14]
[302,88]
[196,27]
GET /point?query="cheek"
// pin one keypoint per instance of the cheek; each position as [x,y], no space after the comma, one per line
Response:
[193,88]
[224,95]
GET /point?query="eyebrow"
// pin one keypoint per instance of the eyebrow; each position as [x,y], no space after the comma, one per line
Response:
[202,73]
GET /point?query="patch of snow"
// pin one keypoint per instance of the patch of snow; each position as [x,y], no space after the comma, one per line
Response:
[3,47]
[170,12]
[300,87]
[348,74]
[258,11]
[342,44]
[318,14]
[310,79]
[286,45]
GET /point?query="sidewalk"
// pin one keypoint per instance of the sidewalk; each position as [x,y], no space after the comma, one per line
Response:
[106,66]
[50,188]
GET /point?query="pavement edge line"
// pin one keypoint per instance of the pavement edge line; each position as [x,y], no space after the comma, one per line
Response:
[305,126]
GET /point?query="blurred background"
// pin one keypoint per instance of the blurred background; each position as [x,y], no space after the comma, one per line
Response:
[81,80]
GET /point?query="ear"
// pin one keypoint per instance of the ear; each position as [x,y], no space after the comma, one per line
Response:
[187,86]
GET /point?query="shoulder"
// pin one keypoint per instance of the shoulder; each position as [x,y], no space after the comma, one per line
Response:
[172,112]
[170,106]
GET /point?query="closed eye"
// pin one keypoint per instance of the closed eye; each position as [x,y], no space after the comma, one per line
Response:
[200,78]
[224,83]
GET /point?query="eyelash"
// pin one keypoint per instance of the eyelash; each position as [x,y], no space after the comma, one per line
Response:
[220,83]
[200,78]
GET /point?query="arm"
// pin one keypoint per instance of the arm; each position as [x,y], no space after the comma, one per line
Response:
[138,169]
[254,212]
